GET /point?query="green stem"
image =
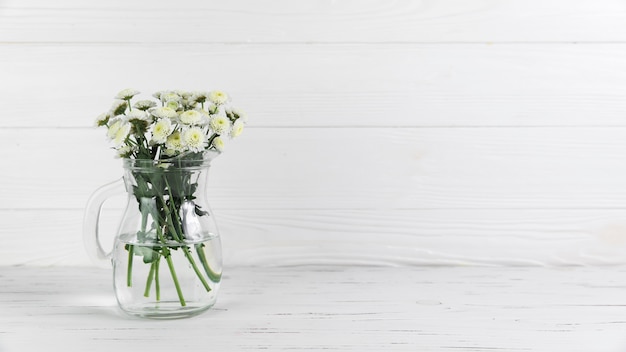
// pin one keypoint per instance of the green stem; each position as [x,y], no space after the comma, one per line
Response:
[131,252]
[157,285]
[175,225]
[146,292]
[178,236]
[129,272]
[170,264]
[213,276]
[170,224]
[210,141]
[176,230]
[195,268]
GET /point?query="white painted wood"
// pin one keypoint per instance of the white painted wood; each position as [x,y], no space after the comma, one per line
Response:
[329,85]
[493,237]
[312,21]
[433,196]
[350,168]
[330,308]
[407,132]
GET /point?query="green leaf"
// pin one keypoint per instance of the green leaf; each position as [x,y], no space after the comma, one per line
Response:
[149,255]
[200,212]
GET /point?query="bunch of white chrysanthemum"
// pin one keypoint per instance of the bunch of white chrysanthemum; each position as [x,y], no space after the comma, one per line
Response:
[178,122]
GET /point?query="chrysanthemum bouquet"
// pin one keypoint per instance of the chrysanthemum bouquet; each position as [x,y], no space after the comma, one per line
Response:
[163,143]
[179,122]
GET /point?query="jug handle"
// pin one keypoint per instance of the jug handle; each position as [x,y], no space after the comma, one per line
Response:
[91,220]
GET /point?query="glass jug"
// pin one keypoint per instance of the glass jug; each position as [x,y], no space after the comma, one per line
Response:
[167,259]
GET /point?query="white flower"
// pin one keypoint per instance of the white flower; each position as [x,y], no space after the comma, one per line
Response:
[194,139]
[161,130]
[192,117]
[144,105]
[238,114]
[170,96]
[164,112]
[102,119]
[237,128]
[170,152]
[138,115]
[218,97]
[121,133]
[188,104]
[218,143]
[118,107]
[126,94]
[125,151]
[199,97]
[172,105]
[113,128]
[174,144]
[216,109]
[183,93]
[159,93]
[219,124]
[175,122]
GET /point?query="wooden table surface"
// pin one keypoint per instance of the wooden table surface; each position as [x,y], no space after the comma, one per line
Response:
[330,308]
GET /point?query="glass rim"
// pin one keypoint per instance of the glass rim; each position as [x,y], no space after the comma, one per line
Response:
[181,161]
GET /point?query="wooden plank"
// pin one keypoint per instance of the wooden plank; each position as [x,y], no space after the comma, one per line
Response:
[286,21]
[494,237]
[329,85]
[348,168]
[331,308]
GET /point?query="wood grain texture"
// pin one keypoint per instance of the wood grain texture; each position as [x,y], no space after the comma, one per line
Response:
[283,237]
[328,85]
[413,132]
[350,168]
[330,308]
[313,21]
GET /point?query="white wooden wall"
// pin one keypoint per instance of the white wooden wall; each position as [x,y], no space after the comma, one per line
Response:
[383,132]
